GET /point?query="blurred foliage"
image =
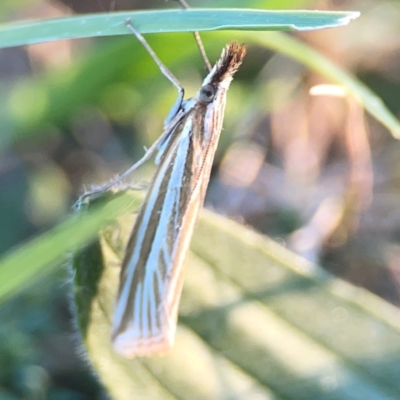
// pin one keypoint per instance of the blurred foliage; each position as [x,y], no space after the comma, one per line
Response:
[313,172]
[245,329]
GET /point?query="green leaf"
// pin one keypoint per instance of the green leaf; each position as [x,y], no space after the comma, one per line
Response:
[108,24]
[256,321]
[47,251]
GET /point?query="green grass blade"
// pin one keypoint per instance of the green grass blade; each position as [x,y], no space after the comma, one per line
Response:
[47,251]
[109,24]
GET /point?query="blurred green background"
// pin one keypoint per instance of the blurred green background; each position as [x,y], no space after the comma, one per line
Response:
[311,171]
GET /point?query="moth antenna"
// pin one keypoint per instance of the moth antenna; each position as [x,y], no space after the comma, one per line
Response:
[198,41]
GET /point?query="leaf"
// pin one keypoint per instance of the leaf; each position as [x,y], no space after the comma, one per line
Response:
[47,251]
[256,322]
[108,24]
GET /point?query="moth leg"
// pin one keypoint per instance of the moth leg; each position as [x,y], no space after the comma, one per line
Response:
[169,122]
[97,191]
[166,72]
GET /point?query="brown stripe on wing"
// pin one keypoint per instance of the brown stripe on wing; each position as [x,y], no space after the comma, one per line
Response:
[140,267]
[151,230]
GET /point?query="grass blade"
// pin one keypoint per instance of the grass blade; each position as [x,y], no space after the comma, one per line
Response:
[109,24]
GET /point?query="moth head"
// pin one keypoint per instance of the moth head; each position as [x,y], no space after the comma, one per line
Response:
[222,73]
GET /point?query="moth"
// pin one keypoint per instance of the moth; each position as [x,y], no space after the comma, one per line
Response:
[151,278]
